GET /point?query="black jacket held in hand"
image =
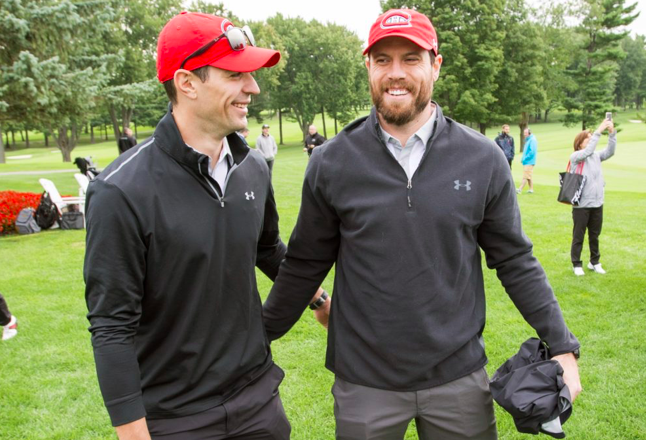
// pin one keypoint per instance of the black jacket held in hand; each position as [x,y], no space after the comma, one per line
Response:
[175,314]
[408,306]
[531,388]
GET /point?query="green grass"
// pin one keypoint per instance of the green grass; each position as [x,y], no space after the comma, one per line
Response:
[48,387]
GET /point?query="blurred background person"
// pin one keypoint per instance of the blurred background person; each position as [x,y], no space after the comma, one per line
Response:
[528,160]
[588,214]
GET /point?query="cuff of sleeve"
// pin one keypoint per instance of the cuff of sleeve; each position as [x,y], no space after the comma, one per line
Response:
[567,346]
[127,410]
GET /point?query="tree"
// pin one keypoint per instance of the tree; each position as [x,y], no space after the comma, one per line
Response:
[520,79]
[595,72]
[321,61]
[631,70]
[52,64]
[471,39]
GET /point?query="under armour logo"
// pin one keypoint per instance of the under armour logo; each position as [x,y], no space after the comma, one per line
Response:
[458,185]
[250,196]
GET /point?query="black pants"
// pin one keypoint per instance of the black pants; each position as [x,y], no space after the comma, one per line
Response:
[270,164]
[5,316]
[592,220]
[255,413]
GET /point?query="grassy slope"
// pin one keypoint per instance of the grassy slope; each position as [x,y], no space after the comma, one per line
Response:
[48,386]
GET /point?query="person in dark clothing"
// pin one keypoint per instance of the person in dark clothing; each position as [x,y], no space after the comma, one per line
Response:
[8,322]
[402,202]
[175,229]
[506,144]
[126,141]
[313,140]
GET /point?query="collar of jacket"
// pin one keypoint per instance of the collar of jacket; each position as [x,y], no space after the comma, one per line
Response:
[169,139]
[440,124]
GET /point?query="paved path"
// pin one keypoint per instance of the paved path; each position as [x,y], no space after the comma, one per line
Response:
[24,173]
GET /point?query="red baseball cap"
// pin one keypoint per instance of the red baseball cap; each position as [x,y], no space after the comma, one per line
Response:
[189,31]
[405,23]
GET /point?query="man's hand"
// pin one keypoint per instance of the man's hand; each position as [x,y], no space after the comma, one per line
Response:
[322,314]
[137,430]
[570,373]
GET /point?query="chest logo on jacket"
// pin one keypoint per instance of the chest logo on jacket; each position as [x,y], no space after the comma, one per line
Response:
[459,185]
[250,196]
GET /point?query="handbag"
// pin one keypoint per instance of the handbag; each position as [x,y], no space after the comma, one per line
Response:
[72,220]
[572,185]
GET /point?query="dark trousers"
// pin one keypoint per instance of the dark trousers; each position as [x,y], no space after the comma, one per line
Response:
[592,220]
[458,410]
[270,164]
[510,161]
[255,413]
[5,316]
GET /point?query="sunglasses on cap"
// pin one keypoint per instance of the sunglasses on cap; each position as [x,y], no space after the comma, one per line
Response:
[237,38]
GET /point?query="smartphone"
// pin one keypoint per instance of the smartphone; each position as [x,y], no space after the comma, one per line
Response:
[609,116]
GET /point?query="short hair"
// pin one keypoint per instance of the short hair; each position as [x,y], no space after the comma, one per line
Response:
[202,73]
[578,140]
[505,125]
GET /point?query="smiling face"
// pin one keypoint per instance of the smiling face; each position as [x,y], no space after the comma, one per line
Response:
[401,79]
[221,101]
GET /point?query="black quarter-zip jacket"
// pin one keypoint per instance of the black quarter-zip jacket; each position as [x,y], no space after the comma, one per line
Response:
[175,314]
[408,309]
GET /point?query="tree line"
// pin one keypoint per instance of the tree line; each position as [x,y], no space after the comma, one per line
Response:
[71,65]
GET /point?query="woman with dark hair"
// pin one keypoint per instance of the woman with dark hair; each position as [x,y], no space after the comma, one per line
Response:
[588,214]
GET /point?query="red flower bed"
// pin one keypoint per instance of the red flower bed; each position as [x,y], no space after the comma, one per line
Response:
[11,202]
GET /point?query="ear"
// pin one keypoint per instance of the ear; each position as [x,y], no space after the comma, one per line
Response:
[185,84]
[368,62]
[436,67]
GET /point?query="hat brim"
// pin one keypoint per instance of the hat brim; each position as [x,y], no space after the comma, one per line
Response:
[421,43]
[247,60]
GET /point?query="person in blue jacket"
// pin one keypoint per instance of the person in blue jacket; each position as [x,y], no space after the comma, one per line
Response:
[528,160]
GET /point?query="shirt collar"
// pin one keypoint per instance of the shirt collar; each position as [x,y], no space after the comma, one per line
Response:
[225,153]
[424,133]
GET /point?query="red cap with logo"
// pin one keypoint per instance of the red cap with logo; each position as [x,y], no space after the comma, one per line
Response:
[190,31]
[405,23]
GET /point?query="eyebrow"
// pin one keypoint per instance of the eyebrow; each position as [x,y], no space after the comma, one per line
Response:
[413,52]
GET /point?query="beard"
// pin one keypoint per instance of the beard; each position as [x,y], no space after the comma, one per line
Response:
[401,113]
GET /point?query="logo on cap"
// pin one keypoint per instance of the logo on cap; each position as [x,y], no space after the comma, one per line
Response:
[396,19]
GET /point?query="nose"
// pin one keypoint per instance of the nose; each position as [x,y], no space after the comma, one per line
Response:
[396,70]
[250,85]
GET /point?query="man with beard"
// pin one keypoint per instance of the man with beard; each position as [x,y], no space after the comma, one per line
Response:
[402,201]
[506,144]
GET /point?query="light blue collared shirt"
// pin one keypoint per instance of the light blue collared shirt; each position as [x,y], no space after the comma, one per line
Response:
[411,154]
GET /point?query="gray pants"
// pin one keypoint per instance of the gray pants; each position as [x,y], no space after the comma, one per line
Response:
[458,410]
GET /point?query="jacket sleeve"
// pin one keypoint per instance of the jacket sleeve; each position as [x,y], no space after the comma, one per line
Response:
[609,151]
[312,250]
[114,272]
[508,250]
[271,250]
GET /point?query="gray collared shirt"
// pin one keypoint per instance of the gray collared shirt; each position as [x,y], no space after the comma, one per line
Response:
[411,154]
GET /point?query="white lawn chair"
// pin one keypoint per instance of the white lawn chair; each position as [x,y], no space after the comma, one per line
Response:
[60,201]
[83,183]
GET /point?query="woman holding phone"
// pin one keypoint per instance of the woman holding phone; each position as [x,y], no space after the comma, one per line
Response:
[588,214]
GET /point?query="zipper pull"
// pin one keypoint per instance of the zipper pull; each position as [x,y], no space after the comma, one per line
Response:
[410,184]
[222,203]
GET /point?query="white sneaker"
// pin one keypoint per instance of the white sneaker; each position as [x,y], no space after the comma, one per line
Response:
[597,268]
[578,271]
[517,190]
[531,191]
[10,330]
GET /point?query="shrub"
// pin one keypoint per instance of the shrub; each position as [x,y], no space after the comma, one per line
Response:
[11,202]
